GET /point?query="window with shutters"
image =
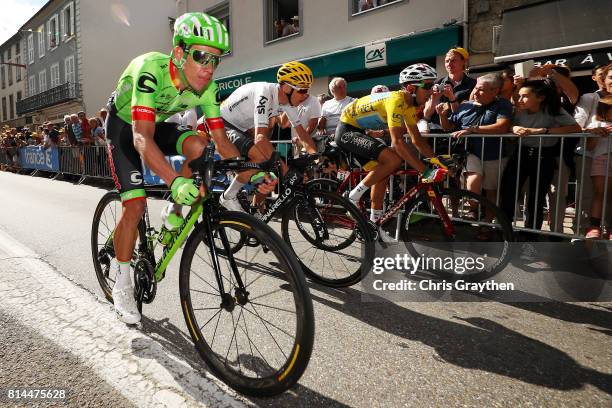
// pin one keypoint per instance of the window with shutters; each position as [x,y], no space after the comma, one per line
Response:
[69,69]
[41,41]
[52,33]
[55,75]
[42,81]
[67,21]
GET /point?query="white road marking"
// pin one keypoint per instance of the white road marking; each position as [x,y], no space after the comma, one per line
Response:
[135,365]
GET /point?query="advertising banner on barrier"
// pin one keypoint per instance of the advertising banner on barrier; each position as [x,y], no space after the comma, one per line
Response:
[39,158]
[151,178]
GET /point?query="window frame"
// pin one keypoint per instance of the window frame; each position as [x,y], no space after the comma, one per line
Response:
[218,7]
[55,67]
[3,76]
[12,106]
[267,15]
[57,31]
[63,33]
[30,42]
[4,111]
[42,80]
[361,13]
[41,40]
[31,85]
[66,65]
[18,69]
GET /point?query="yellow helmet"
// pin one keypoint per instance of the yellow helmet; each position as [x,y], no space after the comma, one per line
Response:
[295,73]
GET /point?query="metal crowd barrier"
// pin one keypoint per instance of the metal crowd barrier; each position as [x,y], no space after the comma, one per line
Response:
[92,161]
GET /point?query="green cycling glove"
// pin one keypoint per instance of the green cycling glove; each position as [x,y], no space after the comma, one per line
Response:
[184,191]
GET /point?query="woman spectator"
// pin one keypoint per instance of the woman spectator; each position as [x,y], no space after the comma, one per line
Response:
[97,132]
[538,112]
[599,147]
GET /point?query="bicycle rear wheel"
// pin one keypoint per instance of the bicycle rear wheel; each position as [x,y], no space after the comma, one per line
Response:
[478,230]
[339,252]
[259,341]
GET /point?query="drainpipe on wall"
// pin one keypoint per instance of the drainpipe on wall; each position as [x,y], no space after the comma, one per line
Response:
[466,16]
[181,7]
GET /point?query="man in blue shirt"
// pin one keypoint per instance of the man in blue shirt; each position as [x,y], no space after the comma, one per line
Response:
[486,114]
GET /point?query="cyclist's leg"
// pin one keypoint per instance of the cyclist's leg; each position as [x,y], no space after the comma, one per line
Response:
[354,141]
[126,169]
[125,166]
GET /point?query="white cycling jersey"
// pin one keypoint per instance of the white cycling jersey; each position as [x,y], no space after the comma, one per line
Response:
[252,105]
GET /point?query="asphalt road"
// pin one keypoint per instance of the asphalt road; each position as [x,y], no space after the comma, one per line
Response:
[366,353]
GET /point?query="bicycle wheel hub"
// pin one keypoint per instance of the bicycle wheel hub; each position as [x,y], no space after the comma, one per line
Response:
[228,302]
[241,296]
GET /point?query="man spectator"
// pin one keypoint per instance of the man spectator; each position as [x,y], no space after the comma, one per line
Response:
[52,134]
[76,128]
[486,114]
[452,89]
[599,76]
[102,116]
[331,110]
[69,133]
[86,137]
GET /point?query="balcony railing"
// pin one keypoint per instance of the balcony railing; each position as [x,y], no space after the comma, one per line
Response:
[53,96]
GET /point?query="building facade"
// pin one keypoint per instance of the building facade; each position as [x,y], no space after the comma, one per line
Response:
[12,86]
[338,37]
[75,51]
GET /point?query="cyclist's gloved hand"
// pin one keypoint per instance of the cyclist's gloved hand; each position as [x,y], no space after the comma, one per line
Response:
[184,191]
[433,175]
[265,182]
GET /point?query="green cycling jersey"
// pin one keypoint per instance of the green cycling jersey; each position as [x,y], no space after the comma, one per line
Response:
[147,90]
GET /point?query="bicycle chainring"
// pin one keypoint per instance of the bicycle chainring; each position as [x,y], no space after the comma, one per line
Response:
[145,285]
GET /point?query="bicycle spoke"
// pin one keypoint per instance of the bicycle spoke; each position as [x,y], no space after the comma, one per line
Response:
[268,330]
[272,307]
[213,316]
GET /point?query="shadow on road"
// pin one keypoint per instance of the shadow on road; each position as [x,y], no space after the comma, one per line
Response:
[477,343]
[177,342]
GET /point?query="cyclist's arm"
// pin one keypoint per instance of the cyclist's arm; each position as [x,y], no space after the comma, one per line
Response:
[306,139]
[153,157]
[402,149]
[321,125]
[419,141]
[226,148]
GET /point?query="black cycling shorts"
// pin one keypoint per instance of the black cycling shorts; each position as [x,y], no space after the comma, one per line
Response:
[125,162]
[240,139]
[353,140]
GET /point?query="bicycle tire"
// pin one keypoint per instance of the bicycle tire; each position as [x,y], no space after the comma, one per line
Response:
[340,217]
[420,224]
[243,373]
[107,218]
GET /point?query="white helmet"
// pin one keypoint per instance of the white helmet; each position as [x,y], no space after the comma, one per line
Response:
[379,89]
[416,73]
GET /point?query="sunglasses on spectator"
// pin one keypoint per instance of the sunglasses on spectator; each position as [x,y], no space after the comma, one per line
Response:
[302,91]
[205,58]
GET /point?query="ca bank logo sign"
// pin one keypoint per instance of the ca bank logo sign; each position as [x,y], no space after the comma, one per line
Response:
[375,55]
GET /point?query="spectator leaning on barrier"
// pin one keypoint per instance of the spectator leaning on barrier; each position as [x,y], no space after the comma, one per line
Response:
[77,130]
[486,114]
[97,132]
[601,168]
[331,110]
[72,140]
[86,137]
[452,89]
[539,112]
[102,116]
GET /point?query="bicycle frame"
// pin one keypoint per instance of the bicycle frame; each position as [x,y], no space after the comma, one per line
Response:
[432,194]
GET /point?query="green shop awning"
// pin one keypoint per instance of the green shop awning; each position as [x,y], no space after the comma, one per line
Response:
[400,49]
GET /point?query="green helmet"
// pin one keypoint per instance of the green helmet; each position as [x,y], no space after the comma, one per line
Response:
[201,29]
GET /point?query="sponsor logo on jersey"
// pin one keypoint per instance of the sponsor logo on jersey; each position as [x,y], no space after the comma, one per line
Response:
[261,105]
[142,83]
[238,102]
[136,177]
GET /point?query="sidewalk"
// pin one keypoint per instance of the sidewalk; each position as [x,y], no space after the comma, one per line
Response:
[59,336]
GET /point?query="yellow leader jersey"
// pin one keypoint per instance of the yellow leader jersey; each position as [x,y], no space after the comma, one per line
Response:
[378,111]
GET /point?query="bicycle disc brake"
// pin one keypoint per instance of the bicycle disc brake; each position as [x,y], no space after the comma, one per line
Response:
[145,285]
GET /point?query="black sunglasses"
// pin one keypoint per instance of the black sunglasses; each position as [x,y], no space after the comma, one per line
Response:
[205,58]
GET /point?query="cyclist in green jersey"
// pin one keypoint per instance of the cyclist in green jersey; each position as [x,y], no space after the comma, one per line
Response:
[152,88]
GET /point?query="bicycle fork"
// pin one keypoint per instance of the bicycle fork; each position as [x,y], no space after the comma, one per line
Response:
[241,296]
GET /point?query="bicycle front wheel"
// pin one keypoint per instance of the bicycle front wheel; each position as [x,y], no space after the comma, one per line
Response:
[330,237]
[257,334]
[477,229]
